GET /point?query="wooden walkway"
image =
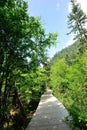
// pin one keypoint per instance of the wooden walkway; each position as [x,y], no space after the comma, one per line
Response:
[49,115]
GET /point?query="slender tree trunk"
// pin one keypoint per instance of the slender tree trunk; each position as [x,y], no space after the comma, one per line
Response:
[5,91]
[18,101]
[1,94]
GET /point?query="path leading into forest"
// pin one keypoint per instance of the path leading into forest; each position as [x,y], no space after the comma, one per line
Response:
[49,115]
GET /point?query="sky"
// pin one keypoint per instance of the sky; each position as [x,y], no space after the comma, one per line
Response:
[54,17]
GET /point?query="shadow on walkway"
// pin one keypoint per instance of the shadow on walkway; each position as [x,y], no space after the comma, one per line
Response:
[49,115]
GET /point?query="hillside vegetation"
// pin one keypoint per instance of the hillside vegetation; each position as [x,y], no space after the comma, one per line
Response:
[69,84]
[69,53]
[68,76]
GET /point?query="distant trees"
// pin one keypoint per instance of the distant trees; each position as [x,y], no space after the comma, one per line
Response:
[77,20]
[23,44]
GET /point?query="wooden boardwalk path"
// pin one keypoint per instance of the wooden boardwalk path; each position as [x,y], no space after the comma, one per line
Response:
[49,115]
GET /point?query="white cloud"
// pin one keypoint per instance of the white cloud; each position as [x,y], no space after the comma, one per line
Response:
[70,42]
[69,7]
[83,4]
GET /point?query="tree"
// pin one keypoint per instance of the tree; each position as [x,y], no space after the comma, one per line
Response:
[77,20]
[23,44]
[69,84]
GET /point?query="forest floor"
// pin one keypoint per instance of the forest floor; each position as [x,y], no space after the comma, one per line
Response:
[50,114]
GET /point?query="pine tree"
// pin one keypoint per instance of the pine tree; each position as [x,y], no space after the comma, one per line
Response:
[77,21]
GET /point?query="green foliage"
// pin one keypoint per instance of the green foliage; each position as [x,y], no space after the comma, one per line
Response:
[68,53]
[69,83]
[59,69]
[23,46]
[33,84]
